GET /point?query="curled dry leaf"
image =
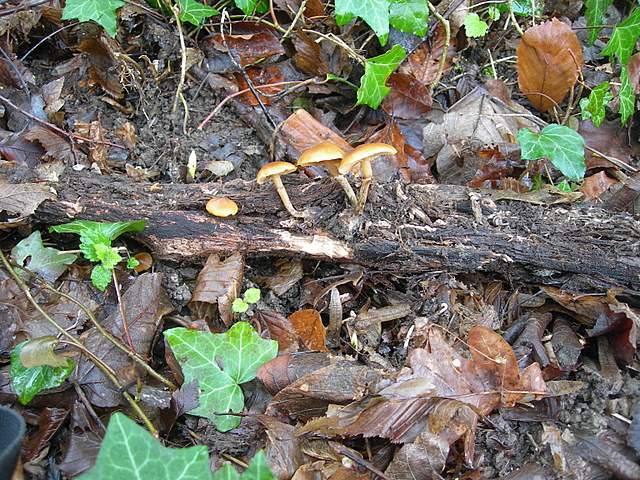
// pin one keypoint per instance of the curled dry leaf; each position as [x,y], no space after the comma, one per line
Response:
[55,146]
[308,57]
[127,133]
[217,286]
[280,330]
[51,94]
[307,324]
[282,371]
[423,63]
[261,76]
[596,184]
[104,69]
[249,42]
[289,272]
[549,61]
[408,99]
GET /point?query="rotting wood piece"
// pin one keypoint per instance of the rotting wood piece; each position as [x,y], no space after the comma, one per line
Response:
[406,229]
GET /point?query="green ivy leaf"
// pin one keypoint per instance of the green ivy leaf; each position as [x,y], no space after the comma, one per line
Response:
[474,26]
[624,37]
[593,107]
[258,469]
[522,8]
[28,382]
[47,262]
[129,451]
[376,72]
[101,277]
[220,363]
[375,13]
[103,12]
[252,295]
[195,12]
[249,7]
[409,16]
[626,96]
[563,147]
[595,16]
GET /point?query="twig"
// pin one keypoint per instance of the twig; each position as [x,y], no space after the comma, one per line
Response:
[125,326]
[18,73]
[445,49]
[512,15]
[273,14]
[340,43]
[183,70]
[106,369]
[303,5]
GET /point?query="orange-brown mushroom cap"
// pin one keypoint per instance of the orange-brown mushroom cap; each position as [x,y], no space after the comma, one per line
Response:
[222,207]
[364,152]
[320,153]
[274,168]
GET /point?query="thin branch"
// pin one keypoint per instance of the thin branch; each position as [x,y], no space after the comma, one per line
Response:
[303,5]
[445,49]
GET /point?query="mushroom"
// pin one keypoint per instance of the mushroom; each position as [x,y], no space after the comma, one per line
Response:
[328,155]
[222,207]
[363,155]
[272,171]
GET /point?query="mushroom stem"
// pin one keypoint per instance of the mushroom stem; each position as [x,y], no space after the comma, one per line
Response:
[367,177]
[277,181]
[346,186]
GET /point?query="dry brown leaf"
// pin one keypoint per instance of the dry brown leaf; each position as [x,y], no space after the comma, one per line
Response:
[423,62]
[633,66]
[249,42]
[104,69]
[308,57]
[23,199]
[307,324]
[301,131]
[51,94]
[549,61]
[261,76]
[280,330]
[289,272]
[127,133]
[408,99]
[217,286]
[55,146]
[595,185]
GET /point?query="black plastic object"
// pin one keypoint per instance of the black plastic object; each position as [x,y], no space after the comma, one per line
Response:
[12,429]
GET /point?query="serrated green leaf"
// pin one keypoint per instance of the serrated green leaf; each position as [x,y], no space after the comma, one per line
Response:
[101,277]
[409,16]
[626,96]
[376,72]
[130,452]
[28,382]
[195,12]
[239,306]
[100,230]
[563,147]
[220,363]
[474,26]
[595,10]
[252,295]
[593,107]
[375,13]
[132,263]
[108,256]
[624,37]
[47,262]
[103,12]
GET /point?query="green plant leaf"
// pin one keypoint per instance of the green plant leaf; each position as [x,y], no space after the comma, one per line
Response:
[249,7]
[220,363]
[91,229]
[195,12]
[595,10]
[239,306]
[624,37]
[252,295]
[101,277]
[129,452]
[258,468]
[593,107]
[563,147]
[47,262]
[626,96]
[103,12]
[38,352]
[376,72]
[474,26]
[409,16]
[108,256]
[28,382]
[132,263]
[494,13]
[375,13]
[522,8]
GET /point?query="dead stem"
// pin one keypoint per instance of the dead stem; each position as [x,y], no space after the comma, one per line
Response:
[445,50]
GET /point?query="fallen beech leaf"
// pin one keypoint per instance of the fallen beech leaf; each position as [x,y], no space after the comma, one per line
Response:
[301,131]
[308,57]
[261,76]
[280,330]
[282,371]
[408,99]
[51,94]
[423,63]
[50,420]
[289,272]
[23,199]
[609,139]
[217,286]
[308,326]
[101,54]
[596,184]
[249,42]
[127,133]
[55,146]
[549,60]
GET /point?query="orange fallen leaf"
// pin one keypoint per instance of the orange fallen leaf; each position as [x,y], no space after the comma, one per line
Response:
[308,326]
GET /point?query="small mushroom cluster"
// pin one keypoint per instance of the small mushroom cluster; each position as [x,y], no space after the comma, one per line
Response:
[337,163]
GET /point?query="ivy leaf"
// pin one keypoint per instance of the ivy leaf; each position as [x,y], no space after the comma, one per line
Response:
[28,382]
[101,277]
[593,107]
[376,72]
[409,16]
[258,469]
[220,363]
[47,262]
[195,12]
[103,12]
[624,37]
[563,147]
[129,451]
[249,7]
[474,26]
[626,96]
[522,8]
[375,13]
[595,16]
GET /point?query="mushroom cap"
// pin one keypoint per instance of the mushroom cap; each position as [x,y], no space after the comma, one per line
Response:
[320,153]
[222,207]
[274,168]
[364,152]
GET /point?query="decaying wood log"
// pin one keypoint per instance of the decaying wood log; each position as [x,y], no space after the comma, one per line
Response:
[406,229]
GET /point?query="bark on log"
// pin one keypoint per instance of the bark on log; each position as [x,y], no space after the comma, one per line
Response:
[406,229]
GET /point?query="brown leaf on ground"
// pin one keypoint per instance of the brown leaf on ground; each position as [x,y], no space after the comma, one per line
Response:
[283,451]
[608,139]
[283,370]
[289,272]
[261,76]
[56,146]
[249,42]
[51,94]
[84,442]
[596,184]
[98,150]
[127,133]
[301,131]
[217,286]
[423,62]
[104,69]
[145,303]
[549,61]
[280,330]
[10,78]
[307,324]
[313,8]
[408,99]
[308,57]
[50,419]
[23,199]
[633,66]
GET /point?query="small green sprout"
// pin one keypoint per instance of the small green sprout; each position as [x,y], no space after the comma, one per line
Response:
[241,305]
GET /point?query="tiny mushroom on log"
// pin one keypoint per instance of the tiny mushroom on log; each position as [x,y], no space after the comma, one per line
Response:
[328,155]
[363,155]
[222,207]
[272,171]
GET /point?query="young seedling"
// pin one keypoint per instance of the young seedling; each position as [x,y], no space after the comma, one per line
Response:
[272,171]
[241,305]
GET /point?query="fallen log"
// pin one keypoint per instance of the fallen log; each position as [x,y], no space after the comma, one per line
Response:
[406,229]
